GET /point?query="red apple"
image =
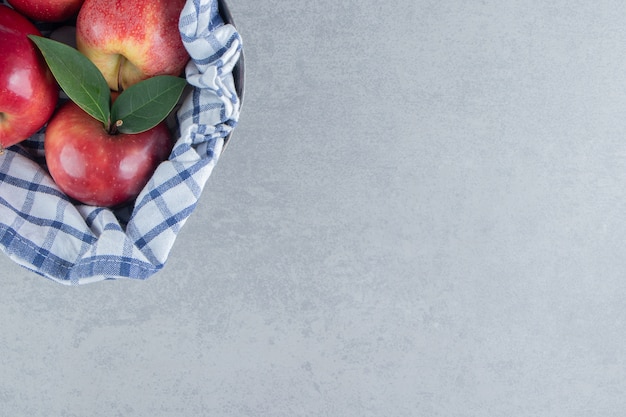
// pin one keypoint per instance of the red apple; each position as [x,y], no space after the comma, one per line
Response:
[28,92]
[47,10]
[131,40]
[98,168]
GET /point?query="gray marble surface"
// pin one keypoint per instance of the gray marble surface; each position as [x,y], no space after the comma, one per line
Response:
[422,213]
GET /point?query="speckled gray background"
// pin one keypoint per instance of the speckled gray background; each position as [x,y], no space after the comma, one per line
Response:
[422,213]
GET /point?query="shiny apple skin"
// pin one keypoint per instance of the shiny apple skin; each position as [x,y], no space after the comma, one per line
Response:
[96,168]
[144,32]
[28,91]
[47,10]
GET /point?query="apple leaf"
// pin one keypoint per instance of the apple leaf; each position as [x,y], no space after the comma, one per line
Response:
[144,105]
[81,80]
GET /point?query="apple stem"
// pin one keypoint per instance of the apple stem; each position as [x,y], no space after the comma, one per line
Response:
[113,129]
[119,73]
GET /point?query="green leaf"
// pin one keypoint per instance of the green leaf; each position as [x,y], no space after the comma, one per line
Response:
[81,80]
[144,105]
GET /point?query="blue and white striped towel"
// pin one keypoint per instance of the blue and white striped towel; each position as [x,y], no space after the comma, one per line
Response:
[42,230]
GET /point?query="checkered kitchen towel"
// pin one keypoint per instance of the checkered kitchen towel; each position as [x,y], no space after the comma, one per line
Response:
[42,230]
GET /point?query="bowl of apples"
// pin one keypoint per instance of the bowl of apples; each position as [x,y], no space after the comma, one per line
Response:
[111,121]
